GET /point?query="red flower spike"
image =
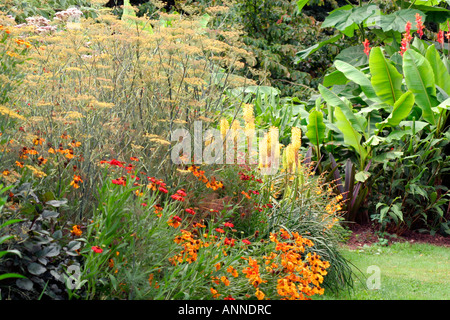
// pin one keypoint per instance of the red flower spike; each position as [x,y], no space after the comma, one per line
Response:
[406,39]
[419,25]
[366,44]
[440,37]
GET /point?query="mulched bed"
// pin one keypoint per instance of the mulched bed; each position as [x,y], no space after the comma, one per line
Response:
[367,235]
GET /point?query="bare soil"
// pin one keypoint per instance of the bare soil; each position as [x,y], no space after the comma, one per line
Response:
[367,235]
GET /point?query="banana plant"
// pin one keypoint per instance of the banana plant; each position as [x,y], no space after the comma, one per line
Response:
[356,19]
[421,90]
[389,94]
[316,130]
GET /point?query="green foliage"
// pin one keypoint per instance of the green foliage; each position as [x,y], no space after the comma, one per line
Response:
[381,22]
[273,31]
[316,129]
[5,238]
[43,251]
[410,193]
[271,109]
[395,92]
[421,82]
[386,80]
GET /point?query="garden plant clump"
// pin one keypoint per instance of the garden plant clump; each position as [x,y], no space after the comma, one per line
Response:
[158,152]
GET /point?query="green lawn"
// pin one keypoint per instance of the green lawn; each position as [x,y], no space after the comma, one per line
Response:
[407,272]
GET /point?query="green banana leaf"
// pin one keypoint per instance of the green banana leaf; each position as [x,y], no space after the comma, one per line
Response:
[351,136]
[386,80]
[401,110]
[333,100]
[316,128]
[357,77]
[301,4]
[419,78]
[441,75]
[334,78]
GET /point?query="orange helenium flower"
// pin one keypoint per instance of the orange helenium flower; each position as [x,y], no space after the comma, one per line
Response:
[76,180]
[76,231]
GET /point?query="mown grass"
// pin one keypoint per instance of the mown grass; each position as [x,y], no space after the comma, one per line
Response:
[407,272]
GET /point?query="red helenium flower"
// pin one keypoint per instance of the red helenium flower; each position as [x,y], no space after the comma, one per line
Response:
[181,192]
[177,197]
[229,242]
[121,181]
[97,249]
[162,189]
[113,162]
